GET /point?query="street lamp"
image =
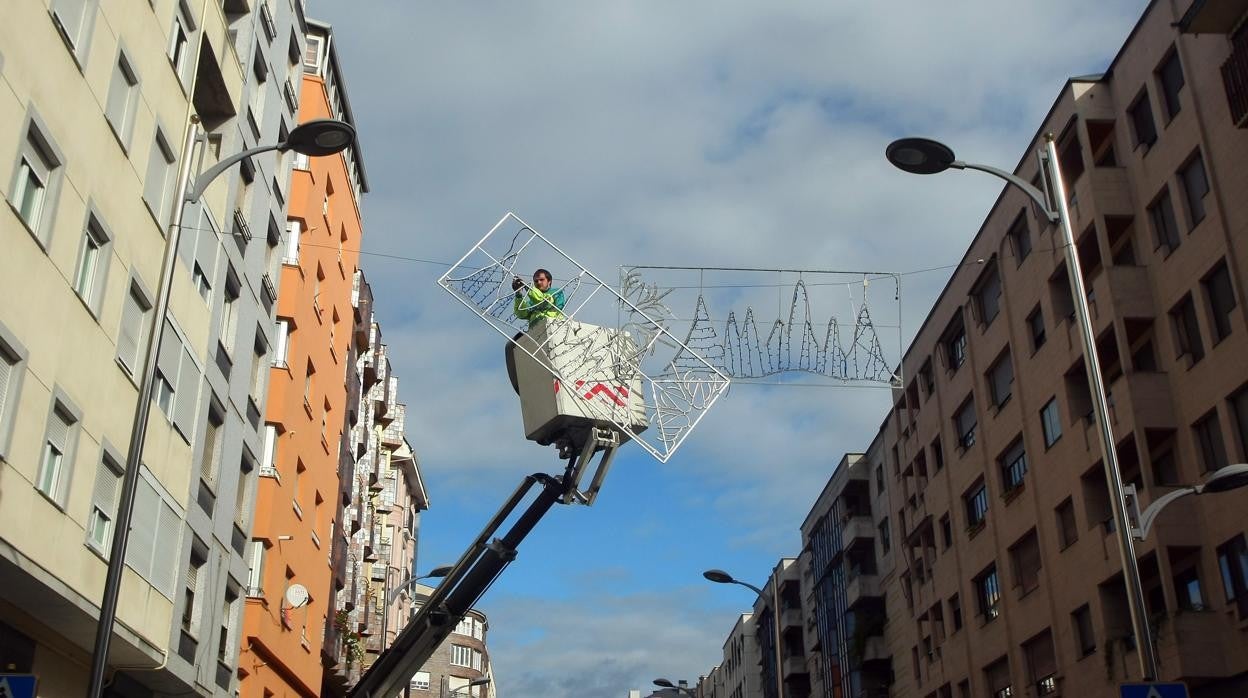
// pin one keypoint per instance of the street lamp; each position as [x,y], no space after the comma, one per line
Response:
[313,138]
[1223,480]
[390,594]
[664,683]
[722,577]
[925,156]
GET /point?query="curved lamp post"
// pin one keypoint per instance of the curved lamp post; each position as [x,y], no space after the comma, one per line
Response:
[1223,480]
[926,156]
[722,577]
[441,571]
[666,683]
[313,138]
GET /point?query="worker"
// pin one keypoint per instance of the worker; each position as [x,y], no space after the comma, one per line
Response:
[532,303]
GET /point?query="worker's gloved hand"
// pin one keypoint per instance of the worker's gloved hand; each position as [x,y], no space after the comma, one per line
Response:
[516,283]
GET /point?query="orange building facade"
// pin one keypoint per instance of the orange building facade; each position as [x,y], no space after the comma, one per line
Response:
[292,537]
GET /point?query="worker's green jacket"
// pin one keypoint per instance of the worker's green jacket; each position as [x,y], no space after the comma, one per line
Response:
[535,304]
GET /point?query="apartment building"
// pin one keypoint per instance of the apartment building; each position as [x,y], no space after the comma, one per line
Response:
[462,658]
[783,587]
[1008,570]
[305,418]
[100,101]
[737,676]
[847,550]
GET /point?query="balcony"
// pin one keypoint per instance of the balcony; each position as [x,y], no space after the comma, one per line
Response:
[1201,653]
[793,665]
[1140,399]
[1121,291]
[861,588]
[1235,79]
[791,618]
[856,528]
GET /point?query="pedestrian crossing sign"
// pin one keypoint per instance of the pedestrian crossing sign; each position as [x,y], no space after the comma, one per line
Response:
[1153,690]
[17,685]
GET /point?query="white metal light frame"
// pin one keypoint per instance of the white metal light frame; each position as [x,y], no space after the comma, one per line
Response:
[678,390]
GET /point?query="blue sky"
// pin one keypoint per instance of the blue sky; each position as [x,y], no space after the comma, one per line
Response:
[690,133]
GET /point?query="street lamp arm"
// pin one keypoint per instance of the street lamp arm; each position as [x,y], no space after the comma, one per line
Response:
[1149,515]
[1035,194]
[204,179]
[749,586]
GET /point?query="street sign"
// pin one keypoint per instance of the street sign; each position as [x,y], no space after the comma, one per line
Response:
[1153,690]
[17,685]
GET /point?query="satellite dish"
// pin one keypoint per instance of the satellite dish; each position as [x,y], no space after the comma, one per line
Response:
[296,595]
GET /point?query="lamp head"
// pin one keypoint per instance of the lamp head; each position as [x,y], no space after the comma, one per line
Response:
[664,683]
[1229,478]
[479,682]
[319,137]
[718,576]
[440,571]
[920,155]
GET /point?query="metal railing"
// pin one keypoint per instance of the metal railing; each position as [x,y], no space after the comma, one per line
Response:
[1235,78]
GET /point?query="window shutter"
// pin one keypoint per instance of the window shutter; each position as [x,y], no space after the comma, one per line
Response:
[130,332]
[104,495]
[206,251]
[58,430]
[170,351]
[69,13]
[186,395]
[6,372]
[168,537]
[998,675]
[143,530]
[1040,657]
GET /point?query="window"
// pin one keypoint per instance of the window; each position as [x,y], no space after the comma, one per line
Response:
[259,369]
[1051,422]
[1025,557]
[179,41]
[1020,237]
[938,455]
[1165,229]
[1001,380]
[255,568]
[955,347]
[976,500]
[1170,75]
[12,357]
[461,655]
[294,227]
[420,680]
[229,311]
[1221,300]
[1186,330]
[192,591]
[225,641]
[988,296]
[34,185]
[988,593]
[879,476]
[282,333]
[1141,114]
[1239,405]
[1195,187]
[1233,564]
[92,267]
[1067,532]
[1187,590]
[997,676]
[259,88]
[886,543]
[57,458]
[123,100]
[132,334]
[104,504]
[1081,621]
[178,379]
[955,612]
[155,536]
[1041,663]
[243,491]
[210,458]
[309,382]
[312,55]
[160,172]
[74,19]
[925,377]
[1013,464]
[1208,434]
[965,422]
[268,463]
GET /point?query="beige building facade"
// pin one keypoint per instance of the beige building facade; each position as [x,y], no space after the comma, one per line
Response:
[1008,572]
